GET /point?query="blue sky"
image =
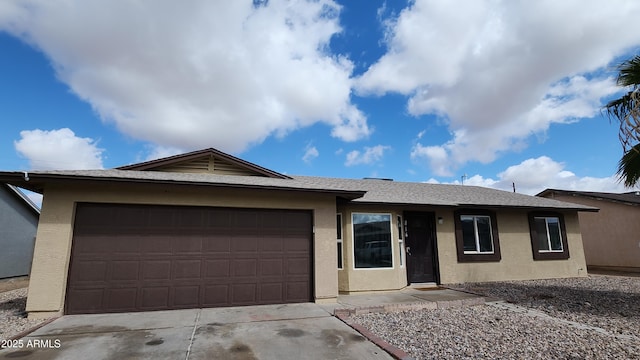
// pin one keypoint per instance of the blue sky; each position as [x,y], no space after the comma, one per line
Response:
[496,92]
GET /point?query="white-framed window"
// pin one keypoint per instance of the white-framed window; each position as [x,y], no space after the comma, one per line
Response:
[400,240]
[477,236]
[372,240]
[339,240]
[549,234]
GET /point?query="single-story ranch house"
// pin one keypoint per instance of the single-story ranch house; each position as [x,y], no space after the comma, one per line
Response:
[206,229]
[610,236]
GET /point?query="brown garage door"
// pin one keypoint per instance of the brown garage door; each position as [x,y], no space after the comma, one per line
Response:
[141,257]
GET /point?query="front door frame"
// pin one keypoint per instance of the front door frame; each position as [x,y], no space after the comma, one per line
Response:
[431,219]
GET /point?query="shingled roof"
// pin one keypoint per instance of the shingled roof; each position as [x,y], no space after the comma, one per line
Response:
[366,191]
[630,198]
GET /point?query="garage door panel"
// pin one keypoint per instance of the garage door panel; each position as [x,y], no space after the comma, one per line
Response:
[218,218]
[244,267]
[125,270]
[245,220]
[130,217]
[123,245]
[164,257]
[190,269]
[271,244]
[155,297]
[243,294]
[122,299]
[90,271]
[297,290]
[186,296]
[95,244]
[271,267]
[190,218]
[271,292]
[297,267]
[155,244]
[293,244]
[217,268]
[215,243]
[240,244]
[87,300]
[187,245]
[156,270]
[216,295]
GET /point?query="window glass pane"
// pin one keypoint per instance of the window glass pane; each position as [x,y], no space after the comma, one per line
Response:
[484,233]
[399,227]
[372,240]
[554,233]
[339,226]
[541,231]
[468,233]
[340,255]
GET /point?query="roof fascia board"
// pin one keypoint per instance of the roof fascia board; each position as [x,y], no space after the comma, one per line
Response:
[42,179]
[588,195]
[476,206]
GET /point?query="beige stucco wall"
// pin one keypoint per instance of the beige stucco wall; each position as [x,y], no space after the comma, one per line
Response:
[610,236]
[515,245]
[53,241]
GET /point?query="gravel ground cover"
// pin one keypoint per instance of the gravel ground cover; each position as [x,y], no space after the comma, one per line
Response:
[610,305]
[13,319]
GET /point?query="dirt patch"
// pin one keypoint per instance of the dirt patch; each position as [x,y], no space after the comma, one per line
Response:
[13,283]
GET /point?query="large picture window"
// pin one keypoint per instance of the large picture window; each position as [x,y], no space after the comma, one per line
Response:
[548,236]
[477,236]
[372,240]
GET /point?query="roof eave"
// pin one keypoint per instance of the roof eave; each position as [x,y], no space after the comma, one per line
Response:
[478,206]
[36,182]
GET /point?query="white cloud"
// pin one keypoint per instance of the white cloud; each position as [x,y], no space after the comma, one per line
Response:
[435,155]
[368,156]
[534,175]
[58,149]
[224,74]
[501,71]
[310,153]
[159,152]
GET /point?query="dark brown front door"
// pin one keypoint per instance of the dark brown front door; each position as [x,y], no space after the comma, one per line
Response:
[142,257]
[420,243]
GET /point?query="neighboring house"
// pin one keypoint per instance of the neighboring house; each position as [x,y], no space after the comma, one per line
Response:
[18,224]
[611,236]
[207,229]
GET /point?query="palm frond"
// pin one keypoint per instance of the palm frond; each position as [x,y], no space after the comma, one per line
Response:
[629,167]
[629,73]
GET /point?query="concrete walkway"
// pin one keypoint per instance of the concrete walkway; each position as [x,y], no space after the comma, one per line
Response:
[411,298]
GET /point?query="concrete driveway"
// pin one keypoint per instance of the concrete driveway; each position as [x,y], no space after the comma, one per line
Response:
[292,331]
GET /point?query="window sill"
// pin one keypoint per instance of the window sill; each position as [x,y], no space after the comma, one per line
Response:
[551,255]
[479,257]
